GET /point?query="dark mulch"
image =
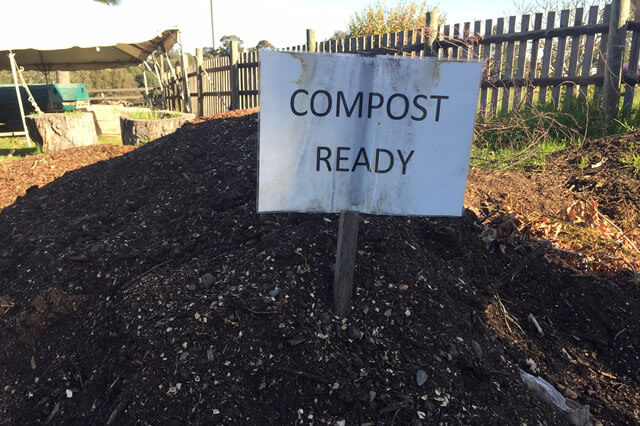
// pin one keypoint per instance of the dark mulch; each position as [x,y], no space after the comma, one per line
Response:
[148,289]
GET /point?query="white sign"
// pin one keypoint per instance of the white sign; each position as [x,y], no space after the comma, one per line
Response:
[373,134]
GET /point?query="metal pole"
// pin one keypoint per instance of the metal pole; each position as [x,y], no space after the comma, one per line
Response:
[213,33]
[12,61]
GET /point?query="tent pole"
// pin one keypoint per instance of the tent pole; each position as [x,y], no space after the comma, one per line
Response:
[12,61]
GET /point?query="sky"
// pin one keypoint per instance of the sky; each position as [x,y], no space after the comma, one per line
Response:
[281,22]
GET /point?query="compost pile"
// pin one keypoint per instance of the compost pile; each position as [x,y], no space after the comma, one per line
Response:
[145,289]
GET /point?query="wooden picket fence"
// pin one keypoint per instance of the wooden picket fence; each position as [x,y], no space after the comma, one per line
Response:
[534,62]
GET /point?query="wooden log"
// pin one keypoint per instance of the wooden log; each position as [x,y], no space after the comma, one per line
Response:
[558,67]
[573,53]
[615,56]
[522,56]
[497,68]
[546,58]
[508,67]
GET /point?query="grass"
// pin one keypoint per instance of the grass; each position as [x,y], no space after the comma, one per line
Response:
[109,140]
[583,162]
[16,147]
[521,139]
[632,160]
[152,115]
[504,157]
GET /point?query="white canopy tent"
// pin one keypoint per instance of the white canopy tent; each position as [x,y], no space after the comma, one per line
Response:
[47,35]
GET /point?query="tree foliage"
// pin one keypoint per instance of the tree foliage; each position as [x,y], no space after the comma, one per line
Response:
[225,44]
[117,78]
[264,44]
[377,18]
[338,35]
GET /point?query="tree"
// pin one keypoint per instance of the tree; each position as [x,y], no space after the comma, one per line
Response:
[339,35]
[378,19]
[264,44]
[225,42]
[137,73]
[105,79]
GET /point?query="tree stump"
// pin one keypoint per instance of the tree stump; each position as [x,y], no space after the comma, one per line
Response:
[138,132]
[59,131]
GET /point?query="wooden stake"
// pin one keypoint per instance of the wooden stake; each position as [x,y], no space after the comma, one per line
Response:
[345,262]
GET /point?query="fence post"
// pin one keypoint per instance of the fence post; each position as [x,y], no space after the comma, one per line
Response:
[432,33]
[199,66]
[615,52]
[311,41]
[233,75]
[185,70]
[180,98]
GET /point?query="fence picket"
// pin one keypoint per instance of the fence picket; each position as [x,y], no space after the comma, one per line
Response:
[508,68]
[602,50]
[522,56]
[465,37]
[575,48]
[533,62]
[445,51]
[630,89]
[486,55]
[558,67]
[497,67]
[546,57]
[476,34]
[511,63]
[455,52]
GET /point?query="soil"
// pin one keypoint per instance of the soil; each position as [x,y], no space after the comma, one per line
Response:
[145,289]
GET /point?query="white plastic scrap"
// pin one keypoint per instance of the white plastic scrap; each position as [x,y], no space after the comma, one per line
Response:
[578,414]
